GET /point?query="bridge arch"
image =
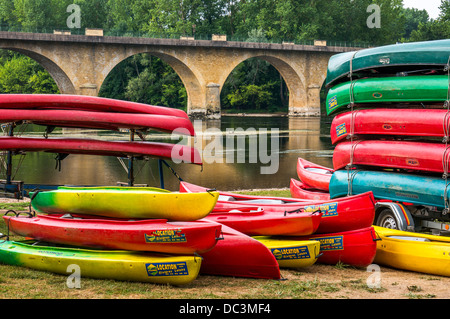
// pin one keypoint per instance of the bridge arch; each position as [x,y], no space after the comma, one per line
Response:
[60,77]
[187,74]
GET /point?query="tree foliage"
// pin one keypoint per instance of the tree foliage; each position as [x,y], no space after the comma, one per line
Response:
[254,84]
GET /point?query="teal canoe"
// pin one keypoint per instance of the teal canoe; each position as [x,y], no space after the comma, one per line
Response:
[401,187]
[406,89]
[402,57]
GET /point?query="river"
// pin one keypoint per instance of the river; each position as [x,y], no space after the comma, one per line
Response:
[227,163]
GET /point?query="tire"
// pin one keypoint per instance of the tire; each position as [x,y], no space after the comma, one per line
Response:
[387,219]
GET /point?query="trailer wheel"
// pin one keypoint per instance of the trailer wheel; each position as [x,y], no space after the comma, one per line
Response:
[387,219]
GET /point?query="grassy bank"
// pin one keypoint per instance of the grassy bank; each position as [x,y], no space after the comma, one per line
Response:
[314,282]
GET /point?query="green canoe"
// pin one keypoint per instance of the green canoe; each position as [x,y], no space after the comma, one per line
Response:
[406,89]
[391,59]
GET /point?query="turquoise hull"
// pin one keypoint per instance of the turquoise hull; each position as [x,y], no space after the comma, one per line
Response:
[415,189]
[414,55]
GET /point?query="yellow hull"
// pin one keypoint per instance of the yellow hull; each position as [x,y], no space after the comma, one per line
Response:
[102,264]
[413,251]
[292,253]
[126,203]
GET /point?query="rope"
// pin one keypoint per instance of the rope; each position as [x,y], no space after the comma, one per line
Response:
[352,122]
[445,155]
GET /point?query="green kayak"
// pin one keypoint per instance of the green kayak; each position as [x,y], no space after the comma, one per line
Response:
[406,89]
[391,59]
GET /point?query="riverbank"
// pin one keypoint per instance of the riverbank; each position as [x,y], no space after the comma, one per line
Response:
[315,282]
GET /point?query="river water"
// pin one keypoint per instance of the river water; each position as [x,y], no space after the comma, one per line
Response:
[267,159]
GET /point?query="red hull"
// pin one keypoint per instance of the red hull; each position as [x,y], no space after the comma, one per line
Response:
[104,148]
[391,122]
[302,191]
[314,175]
[417,156]
[239,255]
[156,235]
[255,223]
[356,247]
[82,102]
[99,120]
[340,214]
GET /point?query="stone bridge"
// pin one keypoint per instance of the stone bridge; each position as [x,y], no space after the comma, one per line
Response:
[80,63]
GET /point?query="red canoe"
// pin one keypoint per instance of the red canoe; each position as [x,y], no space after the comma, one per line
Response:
[391,122]
[100,120]
[314,175]
[409,155]
[302,191]
[99,147]
[157,235]
[355,247]
[340,214]
[82,102]
[239,255]
[259,222]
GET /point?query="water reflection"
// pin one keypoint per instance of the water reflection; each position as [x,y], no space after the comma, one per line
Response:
[305,137]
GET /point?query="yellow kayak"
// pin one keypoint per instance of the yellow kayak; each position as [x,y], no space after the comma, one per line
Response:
[292,253]
[102,264]
[418,252]
[126,202]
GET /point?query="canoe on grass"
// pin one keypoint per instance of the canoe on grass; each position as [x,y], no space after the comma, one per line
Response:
[302,191]
[376,92]
[418,57]
[292,253]
[182,153]
[391,122]
[102,264]
[400,187]
[406,155]
[131,202]
[82,102]
[99,120]
[157,235]
[339,214]
[239,255]
[413,251]
[355,247]
[313,175]
[258,222]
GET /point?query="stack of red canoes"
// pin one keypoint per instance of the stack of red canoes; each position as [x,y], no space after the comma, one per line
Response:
[57,110]
[343,226]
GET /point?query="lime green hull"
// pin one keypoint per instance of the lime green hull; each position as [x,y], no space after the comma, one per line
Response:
[409,89]
[127,202]
[116,265]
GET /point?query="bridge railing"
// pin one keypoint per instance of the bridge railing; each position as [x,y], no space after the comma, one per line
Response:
[137,34]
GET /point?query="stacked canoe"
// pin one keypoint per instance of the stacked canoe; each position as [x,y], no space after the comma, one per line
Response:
[124,233]
[301,232]
[391,136]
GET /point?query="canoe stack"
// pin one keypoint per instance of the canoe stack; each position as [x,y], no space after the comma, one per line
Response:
[124,233]
[391,136]
[301,232]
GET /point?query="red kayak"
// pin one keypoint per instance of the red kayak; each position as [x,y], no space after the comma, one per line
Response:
[340,214]
[409,155]
[356,247]
[156,235]
[100,120]
[99,147]
[391,122]
[239,255]
[302,191]
[259,222]
[314,175]
[82,102]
